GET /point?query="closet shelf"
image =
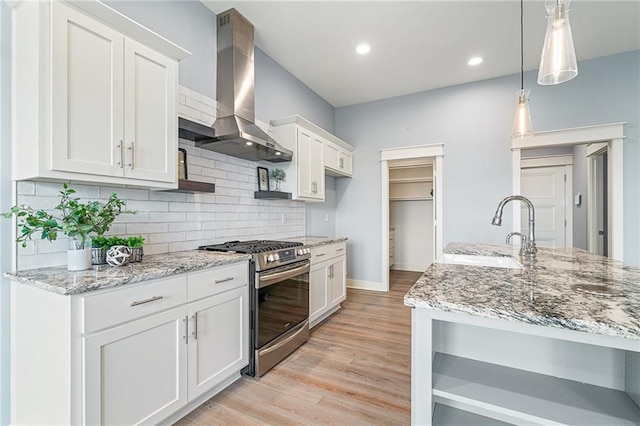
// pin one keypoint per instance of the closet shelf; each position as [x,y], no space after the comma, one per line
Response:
[410,198]
[411,180]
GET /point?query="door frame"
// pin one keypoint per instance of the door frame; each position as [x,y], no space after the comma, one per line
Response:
[565,161]
[592,225]
[434,151]
[611,134]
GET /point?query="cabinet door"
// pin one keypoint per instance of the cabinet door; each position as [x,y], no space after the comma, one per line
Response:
[318,292]
[304,152]
[345,163]
[150,114]
[331,156]
[87,94]
[337,283]
[317,166]
[136,373]
[218,339]
[310,152]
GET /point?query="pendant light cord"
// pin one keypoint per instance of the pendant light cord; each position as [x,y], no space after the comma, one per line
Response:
[521,45]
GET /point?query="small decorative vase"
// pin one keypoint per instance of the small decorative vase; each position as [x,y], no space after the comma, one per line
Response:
[118,255]
[136,254]
[79,254]
[98,256]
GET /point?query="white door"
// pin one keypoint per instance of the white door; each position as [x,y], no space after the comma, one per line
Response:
[151,135]
[318,286]
[546,187]
[87,94]
[337,288]
[137,372]
[218,339]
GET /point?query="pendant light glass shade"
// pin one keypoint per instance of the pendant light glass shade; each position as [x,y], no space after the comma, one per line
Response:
[522,119]
[558,60]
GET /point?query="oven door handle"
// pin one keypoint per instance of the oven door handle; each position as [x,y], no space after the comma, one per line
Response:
[274,277]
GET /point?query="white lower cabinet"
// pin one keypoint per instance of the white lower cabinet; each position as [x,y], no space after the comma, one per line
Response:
[137,372]
[327,281]
[139,354]
[218,340]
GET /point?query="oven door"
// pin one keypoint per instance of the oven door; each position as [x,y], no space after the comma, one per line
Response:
[282,301]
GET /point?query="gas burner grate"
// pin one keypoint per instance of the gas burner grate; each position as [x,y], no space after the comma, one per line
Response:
[250,247]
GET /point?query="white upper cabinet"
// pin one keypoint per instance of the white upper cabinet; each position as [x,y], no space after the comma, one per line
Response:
[315,152]
[97,96]
[338,160]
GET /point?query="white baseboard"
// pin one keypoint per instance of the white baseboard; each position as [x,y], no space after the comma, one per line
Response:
[365,285]
[410,267]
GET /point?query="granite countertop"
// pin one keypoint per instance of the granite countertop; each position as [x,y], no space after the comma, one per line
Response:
[317,241]
[543,294]
[59,280]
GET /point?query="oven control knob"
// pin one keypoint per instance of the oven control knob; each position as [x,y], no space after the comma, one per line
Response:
[270,258]
[276,256]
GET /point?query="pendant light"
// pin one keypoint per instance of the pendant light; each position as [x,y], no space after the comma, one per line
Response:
[558,60]
[522,119]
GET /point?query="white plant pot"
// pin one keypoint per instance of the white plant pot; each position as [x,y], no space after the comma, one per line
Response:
[79,260]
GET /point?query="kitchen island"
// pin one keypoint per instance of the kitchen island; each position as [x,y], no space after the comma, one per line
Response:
[554,342]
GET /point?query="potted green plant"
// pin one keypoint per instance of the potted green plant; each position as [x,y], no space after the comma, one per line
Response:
[77,220]
[99,247]
[278,176]
[135,246]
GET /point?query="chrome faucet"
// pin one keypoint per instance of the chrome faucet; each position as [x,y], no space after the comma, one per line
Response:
[529,245]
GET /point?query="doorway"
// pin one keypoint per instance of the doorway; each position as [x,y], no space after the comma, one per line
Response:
[406,156]
[597,220]
[608,138]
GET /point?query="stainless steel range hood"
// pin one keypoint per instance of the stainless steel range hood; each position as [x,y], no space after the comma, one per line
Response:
[234,131]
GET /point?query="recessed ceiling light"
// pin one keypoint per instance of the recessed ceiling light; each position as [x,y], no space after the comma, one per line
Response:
[249,143]
[476,60]
[363,49]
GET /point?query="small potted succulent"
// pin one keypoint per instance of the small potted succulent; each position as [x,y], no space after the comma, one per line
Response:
[135,246]
[75,219]
[99,247]
[278,176]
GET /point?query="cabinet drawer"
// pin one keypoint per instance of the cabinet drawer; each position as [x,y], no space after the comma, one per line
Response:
[322,253]
[121,305]
[214,281]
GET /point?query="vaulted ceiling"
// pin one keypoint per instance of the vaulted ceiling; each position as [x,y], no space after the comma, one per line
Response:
[421,45]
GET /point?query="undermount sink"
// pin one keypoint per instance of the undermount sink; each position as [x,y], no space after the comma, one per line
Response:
[471,260]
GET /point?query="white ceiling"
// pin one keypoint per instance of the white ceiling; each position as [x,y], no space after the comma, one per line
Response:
[421,45]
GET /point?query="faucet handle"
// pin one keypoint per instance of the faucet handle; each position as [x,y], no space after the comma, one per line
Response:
[523,238]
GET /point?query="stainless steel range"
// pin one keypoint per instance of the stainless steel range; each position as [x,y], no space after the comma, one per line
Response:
[279,299]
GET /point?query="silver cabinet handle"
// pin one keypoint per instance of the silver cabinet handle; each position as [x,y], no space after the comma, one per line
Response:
[342,163]
[194,333]
[121,155]
[151,299]
[340,249]
[186,330]
[132,148]
[320,254]
[223,280]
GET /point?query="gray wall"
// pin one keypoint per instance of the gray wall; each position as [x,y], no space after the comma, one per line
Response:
[474,122]
[5,204]
[321,217]
[190,25]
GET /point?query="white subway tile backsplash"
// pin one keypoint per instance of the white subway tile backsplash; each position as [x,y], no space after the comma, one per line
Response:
[173,221]
[26,188]
[166,237]
[166,217]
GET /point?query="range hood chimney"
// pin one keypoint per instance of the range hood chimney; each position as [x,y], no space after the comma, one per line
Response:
[234,131]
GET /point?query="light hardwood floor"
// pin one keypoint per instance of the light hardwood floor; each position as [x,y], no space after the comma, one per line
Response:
[354,370]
